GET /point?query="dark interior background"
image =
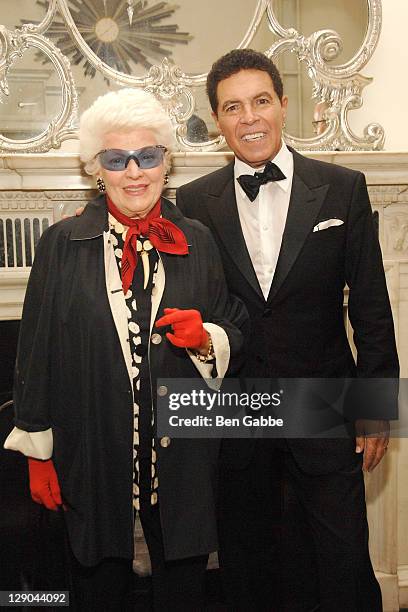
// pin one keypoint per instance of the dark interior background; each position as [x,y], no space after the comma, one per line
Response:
[8,345]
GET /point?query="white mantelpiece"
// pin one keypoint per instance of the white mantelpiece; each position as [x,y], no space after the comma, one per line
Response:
[55,183]
[47,186]
[58,170]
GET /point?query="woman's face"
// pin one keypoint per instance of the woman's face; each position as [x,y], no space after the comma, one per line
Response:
[133,191]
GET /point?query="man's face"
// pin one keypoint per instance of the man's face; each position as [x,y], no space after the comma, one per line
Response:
[250,116]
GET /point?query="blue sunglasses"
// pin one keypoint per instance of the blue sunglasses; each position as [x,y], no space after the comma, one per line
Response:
[118,159]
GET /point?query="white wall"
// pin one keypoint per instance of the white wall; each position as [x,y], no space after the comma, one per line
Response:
[386,98]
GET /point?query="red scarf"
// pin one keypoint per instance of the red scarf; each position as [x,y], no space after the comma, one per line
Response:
[162,233]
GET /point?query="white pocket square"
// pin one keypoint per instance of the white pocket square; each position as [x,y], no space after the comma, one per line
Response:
[326,224]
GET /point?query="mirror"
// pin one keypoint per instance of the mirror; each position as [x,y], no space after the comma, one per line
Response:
[30,11]
[34,97]
[75,50]
[349,18]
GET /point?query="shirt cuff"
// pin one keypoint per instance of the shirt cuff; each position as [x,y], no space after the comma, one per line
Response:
[221,349]
[36,444]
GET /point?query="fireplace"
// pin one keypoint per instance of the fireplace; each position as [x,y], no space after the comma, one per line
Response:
[8,347]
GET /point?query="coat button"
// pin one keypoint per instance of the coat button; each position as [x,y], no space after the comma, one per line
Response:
[162,391]
[165,442]
[156,338]
[267,312]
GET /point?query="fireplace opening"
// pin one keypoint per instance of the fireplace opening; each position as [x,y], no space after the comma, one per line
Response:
[8,349]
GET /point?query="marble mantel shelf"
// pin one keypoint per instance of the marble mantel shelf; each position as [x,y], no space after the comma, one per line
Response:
[59,170]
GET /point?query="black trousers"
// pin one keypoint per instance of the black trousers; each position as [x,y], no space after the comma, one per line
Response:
[294,542]
[177,585]
[106,586]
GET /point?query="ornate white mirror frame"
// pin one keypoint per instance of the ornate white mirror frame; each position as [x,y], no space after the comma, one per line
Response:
[337,87]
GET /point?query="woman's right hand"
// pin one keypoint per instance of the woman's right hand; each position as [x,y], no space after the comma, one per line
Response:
[44,484]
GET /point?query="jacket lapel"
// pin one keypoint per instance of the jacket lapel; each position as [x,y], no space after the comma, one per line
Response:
[223,211]
[307,197]
[117,302]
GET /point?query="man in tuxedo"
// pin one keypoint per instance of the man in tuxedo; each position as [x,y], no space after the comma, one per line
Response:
[292,233]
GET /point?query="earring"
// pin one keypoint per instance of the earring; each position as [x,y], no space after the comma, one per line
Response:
[166,178]
[100,184]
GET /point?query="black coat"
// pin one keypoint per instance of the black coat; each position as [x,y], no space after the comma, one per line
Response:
[299,330]
[72,376]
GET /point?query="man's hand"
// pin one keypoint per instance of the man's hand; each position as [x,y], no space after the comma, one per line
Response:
[372,438]
[44,484]
[78,212]
[188,329]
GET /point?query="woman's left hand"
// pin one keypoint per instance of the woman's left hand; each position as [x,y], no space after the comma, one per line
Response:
[188,329]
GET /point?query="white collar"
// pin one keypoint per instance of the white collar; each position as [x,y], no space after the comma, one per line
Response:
[283,159]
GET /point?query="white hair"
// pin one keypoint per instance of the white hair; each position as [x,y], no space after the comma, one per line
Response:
[121,111]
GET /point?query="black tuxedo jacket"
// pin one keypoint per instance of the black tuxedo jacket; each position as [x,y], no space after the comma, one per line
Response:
[299,330]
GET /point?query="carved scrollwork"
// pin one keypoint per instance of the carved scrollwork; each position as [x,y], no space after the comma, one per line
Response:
[318,41]
[4,53]
[61,127]
[338,86]
[167,84]
[42,27]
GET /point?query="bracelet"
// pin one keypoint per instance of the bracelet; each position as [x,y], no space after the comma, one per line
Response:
[209,355]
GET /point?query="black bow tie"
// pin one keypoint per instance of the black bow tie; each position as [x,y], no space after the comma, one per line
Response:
[251,183]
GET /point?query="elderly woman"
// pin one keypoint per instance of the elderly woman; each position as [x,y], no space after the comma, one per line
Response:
[104,289]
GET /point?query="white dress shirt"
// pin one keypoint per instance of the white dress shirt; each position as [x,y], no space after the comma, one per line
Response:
[263,220]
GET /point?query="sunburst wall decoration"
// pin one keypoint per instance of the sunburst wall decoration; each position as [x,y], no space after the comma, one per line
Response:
[118,31]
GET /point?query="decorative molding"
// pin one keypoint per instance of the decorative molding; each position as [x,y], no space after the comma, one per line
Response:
[57,170]
[325,45]
[168,84]
[73,195]
[12,46]
[384,195]
[13,285]
[131,81]
[340,87]
[403,576]
[21,200]
[137,35]
[396,231]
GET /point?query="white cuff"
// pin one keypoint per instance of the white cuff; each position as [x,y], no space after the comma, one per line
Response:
[36,444]
[222,356]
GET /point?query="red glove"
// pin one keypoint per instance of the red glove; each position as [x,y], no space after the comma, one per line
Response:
[44,485]
[187,326]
